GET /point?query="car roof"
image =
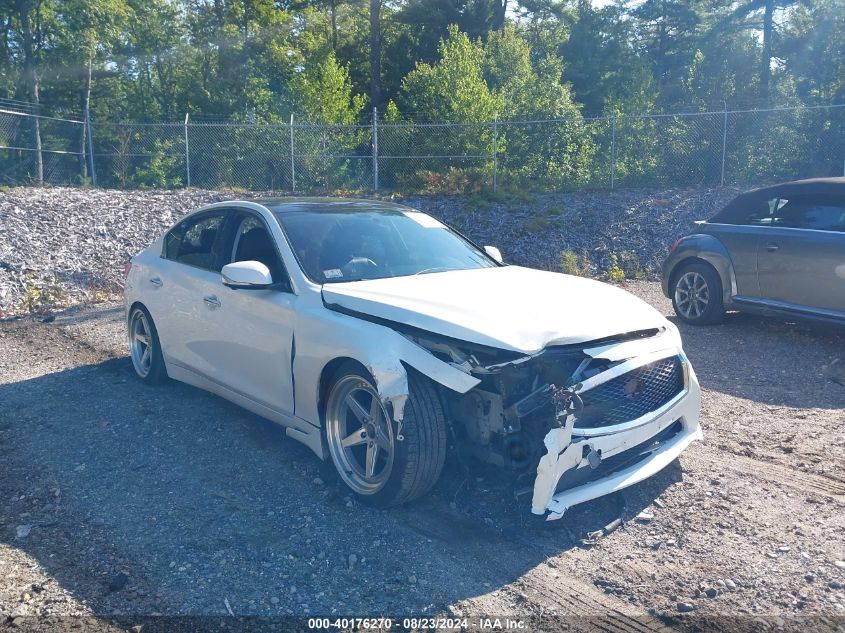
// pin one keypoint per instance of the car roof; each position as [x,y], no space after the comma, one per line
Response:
[810,186]
[830,186]
[329,205]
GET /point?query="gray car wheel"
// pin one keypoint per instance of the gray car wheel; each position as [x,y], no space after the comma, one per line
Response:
[697,294]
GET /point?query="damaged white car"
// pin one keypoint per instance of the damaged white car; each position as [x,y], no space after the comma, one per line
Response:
[375,334]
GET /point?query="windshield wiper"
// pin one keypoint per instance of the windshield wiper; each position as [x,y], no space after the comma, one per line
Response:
[434,269]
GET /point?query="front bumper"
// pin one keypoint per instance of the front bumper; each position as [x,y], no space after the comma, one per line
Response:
[568,452]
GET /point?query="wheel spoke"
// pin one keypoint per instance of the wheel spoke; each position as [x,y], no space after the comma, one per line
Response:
[375,409]
[357,409]
[372,454]
[356,438]
[381,440]
[145,357]
[143,339]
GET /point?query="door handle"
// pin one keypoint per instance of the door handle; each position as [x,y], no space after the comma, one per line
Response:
[212,301]
[771,247]
[156,281]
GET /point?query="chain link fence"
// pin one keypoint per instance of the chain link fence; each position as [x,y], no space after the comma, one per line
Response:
[655,150]
[40,148]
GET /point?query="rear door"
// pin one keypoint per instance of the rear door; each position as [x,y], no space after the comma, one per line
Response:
[801,260]
[189,273]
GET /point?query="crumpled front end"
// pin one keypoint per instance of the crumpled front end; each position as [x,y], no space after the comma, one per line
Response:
[576,422]
[599,454]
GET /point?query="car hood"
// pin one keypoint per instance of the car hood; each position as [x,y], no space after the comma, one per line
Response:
[509,307]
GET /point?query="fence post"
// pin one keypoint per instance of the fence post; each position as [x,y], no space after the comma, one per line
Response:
[292,160]
[375,149]
[89,133]
[495,149]
[187,150]
[613,151]
[724,139]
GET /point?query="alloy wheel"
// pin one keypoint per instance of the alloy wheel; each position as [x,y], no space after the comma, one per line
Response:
[360,435]
[692,295]
[141,343]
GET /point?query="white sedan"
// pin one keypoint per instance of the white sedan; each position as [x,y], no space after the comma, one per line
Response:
[375,334]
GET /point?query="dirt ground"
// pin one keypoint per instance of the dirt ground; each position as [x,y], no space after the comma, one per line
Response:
[120,500]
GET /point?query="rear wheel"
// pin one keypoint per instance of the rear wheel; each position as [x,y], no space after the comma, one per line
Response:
[697,294]
[382,467]
[144,347]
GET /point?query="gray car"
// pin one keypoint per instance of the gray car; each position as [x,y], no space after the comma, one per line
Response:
[777,250]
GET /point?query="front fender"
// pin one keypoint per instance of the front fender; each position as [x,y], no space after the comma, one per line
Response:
[324,336]
[707,248]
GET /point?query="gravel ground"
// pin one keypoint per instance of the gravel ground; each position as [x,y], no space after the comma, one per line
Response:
[120,498]
[59,246]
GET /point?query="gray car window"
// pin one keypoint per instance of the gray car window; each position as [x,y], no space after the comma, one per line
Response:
[751,210]
[821,213]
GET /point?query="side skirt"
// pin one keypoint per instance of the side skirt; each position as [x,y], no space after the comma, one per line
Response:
[770,307]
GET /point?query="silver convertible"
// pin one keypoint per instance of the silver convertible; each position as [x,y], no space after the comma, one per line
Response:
[376,334]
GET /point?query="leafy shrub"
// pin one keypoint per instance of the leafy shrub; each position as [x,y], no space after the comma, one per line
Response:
[573,264]
[38,299]
[615,271]
[454,180]
[538,223]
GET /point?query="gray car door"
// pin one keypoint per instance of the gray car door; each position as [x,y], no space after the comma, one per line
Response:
[740,227]
[801,257]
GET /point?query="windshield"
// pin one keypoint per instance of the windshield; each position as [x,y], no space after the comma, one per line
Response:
[335,247]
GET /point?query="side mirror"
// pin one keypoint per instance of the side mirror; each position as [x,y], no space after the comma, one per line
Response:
[247,275]
[495,253]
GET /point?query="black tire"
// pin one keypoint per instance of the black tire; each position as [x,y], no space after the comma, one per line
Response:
[693,283]
[156,373]
[417,458]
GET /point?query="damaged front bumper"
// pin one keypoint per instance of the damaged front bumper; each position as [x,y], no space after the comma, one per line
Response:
[584,464]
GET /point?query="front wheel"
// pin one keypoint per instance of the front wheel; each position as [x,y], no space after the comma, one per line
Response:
[382,467]
[697,294]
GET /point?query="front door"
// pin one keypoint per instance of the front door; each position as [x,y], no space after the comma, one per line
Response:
[801,258]
[252,330]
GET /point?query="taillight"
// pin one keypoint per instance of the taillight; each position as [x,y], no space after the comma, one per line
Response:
[675,245]
[126,268]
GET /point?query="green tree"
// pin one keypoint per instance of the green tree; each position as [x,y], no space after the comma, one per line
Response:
[453,88]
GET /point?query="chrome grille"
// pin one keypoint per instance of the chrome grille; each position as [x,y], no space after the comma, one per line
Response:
[631,395]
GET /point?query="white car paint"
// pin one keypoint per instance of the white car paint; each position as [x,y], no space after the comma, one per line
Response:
[268,350]
[512,308]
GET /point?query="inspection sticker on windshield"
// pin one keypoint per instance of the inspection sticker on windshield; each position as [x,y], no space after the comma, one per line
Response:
[423,220]
[332,273]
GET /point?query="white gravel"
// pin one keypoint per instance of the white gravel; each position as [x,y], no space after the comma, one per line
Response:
[61,246]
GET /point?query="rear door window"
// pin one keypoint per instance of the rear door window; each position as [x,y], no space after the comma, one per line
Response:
[196,241]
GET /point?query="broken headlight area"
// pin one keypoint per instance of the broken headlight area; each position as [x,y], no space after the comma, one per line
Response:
[503,420]
[562,400]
